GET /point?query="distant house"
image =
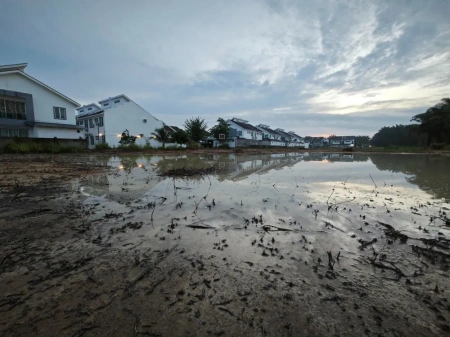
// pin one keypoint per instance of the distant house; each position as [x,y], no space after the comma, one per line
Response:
[317,141]
[240,128]
[171,129]
[30,108]
[342,141]
[104,122]
[268,133]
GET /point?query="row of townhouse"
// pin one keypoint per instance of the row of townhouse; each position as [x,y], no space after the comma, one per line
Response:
[243,133]
[241,130]
[30,108]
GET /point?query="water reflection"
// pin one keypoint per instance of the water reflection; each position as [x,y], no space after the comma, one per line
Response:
[137,174]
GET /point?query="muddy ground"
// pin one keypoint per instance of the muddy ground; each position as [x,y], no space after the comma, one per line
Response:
[200,256]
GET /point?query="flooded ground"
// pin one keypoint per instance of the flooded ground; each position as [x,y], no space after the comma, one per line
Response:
[291,244]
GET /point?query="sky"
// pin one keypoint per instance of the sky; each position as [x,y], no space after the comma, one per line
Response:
[345,67]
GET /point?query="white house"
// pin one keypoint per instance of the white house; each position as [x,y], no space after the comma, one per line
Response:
[30,108]
[104,122]
[242,129]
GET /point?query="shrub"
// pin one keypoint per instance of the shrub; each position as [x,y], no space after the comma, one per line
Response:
[437,146]
[130,147]
[32,147]
[173,148]
[193,145]
[102,147]
[224,146]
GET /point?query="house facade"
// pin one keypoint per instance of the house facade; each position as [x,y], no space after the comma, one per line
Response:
[342,141]
[240,128]
[104,122]
[30,108]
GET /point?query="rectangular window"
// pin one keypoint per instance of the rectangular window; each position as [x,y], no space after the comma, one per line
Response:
[13,132]
[91,123]
[86,125]
[96,137]
[59,113]
[239,133]
[103,139]
[12,108]
[100,121]
[96,121]
[89,109]
[118,101]
[92,139]
[106,104]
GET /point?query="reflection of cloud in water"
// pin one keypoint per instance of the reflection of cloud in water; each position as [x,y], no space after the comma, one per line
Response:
[135,175]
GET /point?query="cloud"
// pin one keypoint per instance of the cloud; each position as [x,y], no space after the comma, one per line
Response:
[314,67]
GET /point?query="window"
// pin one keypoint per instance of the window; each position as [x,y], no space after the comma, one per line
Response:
[91,123]
[86,125]
[13,132]
[106,104]
[96,137]
[239,133]
[82,110]
[118,101]
[59,113]
[12,108]
[96,121]
[103,139]
[89,109]
[142,135]
[100,121]
[91,137]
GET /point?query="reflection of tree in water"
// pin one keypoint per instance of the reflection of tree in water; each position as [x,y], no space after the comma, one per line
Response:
[128,164]
[430,173]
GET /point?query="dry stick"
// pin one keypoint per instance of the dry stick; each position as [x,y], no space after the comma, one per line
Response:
[332,191]
[373,181]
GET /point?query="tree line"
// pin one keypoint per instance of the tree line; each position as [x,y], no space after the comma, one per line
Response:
[431,128]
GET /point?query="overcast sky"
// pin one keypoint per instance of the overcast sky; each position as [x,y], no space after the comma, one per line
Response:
[312,66]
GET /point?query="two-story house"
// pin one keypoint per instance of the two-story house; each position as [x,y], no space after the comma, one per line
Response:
[105,122]
[240,128]
[30,108]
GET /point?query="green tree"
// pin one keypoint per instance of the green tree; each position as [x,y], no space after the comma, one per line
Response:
[180,137]
[195,128]
[221,128]
[162,136]
[397,135]
[362,140]
[435,122]
[126,139]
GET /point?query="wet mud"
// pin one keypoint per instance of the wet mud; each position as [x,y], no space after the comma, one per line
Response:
[291,244]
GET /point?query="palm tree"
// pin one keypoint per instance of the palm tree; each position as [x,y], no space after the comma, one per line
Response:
[162,136]
[196,128]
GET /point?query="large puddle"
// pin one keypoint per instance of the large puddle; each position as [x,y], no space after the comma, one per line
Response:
[293,244]
[289,210]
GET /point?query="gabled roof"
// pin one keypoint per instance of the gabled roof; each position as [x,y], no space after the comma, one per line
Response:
[245,126]
[283,133]
[267,129]
[168,128]
[90,113]
[294,134]
[96,109]
[11,67]
[115,97]
[176,128]
[20,69]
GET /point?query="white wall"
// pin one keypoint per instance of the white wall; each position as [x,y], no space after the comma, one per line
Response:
[247,134]
[43,100]
[129,116]
[42,132]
